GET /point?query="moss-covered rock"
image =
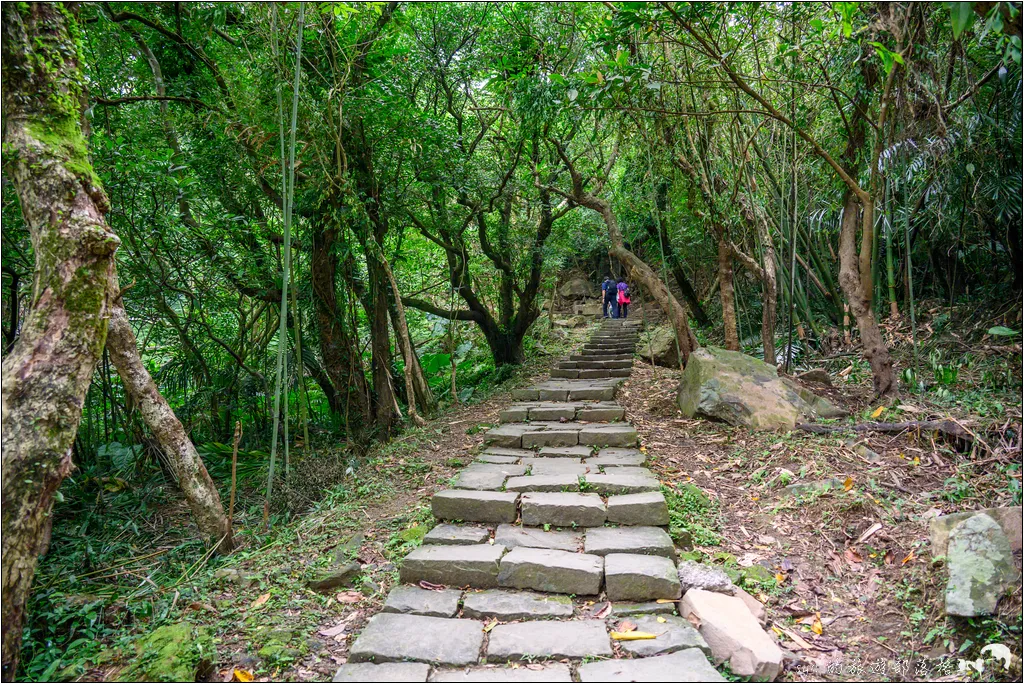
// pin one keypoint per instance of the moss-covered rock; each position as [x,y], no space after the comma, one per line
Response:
[173,653]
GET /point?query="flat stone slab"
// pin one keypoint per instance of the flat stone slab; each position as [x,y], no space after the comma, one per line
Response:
[612,483]
[511,536]
[693,575]
[562,509]
[564,482]
[474,506]
[553,411]
[470,478]
[565,452]
[649,608]
[636,577]
[674,634]
[508,451]
[456,535]
[494,458]
[417,601]
[608,435]
[648,508]
[689,665]
[549,672]
[652,541]
[506,469]
[556,640]
[548,437]
[619,460]
[509,435]
[601,415]
[559,466]
[385,672]
[392,637]
[635,471]
[733,634]
[561,572]
[508,605]
[475,566]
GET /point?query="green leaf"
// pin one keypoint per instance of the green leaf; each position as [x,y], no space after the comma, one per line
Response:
[961,15]
[1003,331]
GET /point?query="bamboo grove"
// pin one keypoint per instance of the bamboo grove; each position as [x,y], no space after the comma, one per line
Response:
[331,218]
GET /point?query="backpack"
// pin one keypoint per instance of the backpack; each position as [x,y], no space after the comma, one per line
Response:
[623,297]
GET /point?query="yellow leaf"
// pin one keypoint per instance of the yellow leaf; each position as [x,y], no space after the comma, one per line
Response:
[848,484]
[661,619]
[260,601]
[877,412]
[917,460]
[780,578]
[633,636]
[242,675]
[665,601]
[816,625]
[909,557]
[491,625]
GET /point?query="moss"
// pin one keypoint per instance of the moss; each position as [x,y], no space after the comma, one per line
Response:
[173,653]
[64,136]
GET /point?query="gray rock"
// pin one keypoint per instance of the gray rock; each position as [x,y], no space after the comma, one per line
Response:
[612,482]
[509,435]
[335,577]
[801,488]
[475,566]
[744,391]
[660,345]
[473,506]
[674,634]
[504,451]
[617,457]
[558,466]
[694,575]
[516,605]
[511,536]
[562,509]
[549,672]
[561,572]
[1009,518]
[816,375]
[416,601]
[609,435]
[514,414]
[688,665]
[755,606]
[470,478]
[493,458]
[981,567]
[456,535]
[648,508]
[392,637]
[556,438]
[650,608]
[652,541]
[576,452]
[635,577]
[556,640]
[506,469]
[385,672]
[603,414]
[733,634]
[553,411]
[544,483]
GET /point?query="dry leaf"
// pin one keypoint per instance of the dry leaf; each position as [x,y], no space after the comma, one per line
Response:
[848,484]
[334,631]
[603,612]
[889,558]
[693,620]
[877,412]
[633,636]
[665,601]
[852,556]
[869,532]
[661,619]
[909,557]
[780,577]
[794,637]
[238,675]
[491,625]
[424,584]
[627,626]
[816,624]
[349,597]
[261,600]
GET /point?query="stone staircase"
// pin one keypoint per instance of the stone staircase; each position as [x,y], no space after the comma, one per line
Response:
[553,536]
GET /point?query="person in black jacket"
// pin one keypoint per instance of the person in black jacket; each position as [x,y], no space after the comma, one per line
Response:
[609,295]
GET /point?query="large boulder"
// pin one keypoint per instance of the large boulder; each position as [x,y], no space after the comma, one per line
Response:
[981,567]
[178,652]
[576,287]
[660,345]
[741,390]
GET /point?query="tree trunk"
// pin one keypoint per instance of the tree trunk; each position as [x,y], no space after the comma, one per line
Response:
[185,464]
[875,350]
[675,264]
[384,412]
[424,396]
[404,344]
[727,293]
[506,347]
[48,371]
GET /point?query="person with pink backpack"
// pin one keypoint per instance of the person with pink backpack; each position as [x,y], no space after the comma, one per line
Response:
[622,298]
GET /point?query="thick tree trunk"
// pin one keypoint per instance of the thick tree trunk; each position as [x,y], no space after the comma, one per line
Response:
[506,347]
[47,373]
[186,465]
[727,293]
[404,344]
[424,396]
[875,350]
[384,412]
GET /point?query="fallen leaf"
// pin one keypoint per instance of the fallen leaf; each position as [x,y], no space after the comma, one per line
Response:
[604,610]
[661,619]
[260,601]
[780,577]
[877,412]
[491,625]
[852,556]
[848,484]
[536,667]
[889,558]
[665,601]
[627,626]
[424,584]
[241,675]
[869,532]
[909,557]
[816,624]
[349,597]
[693,620]
[794,637]
[334,631]
[633,636]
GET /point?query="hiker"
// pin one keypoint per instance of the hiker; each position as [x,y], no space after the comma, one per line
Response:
[610,297]
[622,298]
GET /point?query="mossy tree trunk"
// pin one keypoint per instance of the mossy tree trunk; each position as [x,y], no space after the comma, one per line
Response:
[47,373]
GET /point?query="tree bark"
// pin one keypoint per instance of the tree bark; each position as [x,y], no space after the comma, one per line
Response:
[48,371]
[404,343]
[184,462]
[875,350]
[424,396]
[726,293]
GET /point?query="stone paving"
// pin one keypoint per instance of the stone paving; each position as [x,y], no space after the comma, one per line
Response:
[557,512]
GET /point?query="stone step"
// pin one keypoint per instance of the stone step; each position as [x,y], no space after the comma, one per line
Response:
[558,466]
[536,672]
[563,482]
[689,665]
[475,506]
[583,358]
[608,436]
[557,640]
[507,605]
[568,390]
[551,570]
[611,363]
[456,535]
[513,536]
[576,452]
[562,509]
[611,483]
[674,634]
[638,577]
[651,541]
[393,637]
[416,601]
[461,566]
[648,508]
[385,672]
[616,456]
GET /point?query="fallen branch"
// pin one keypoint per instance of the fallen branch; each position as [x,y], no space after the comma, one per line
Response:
[950,428]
